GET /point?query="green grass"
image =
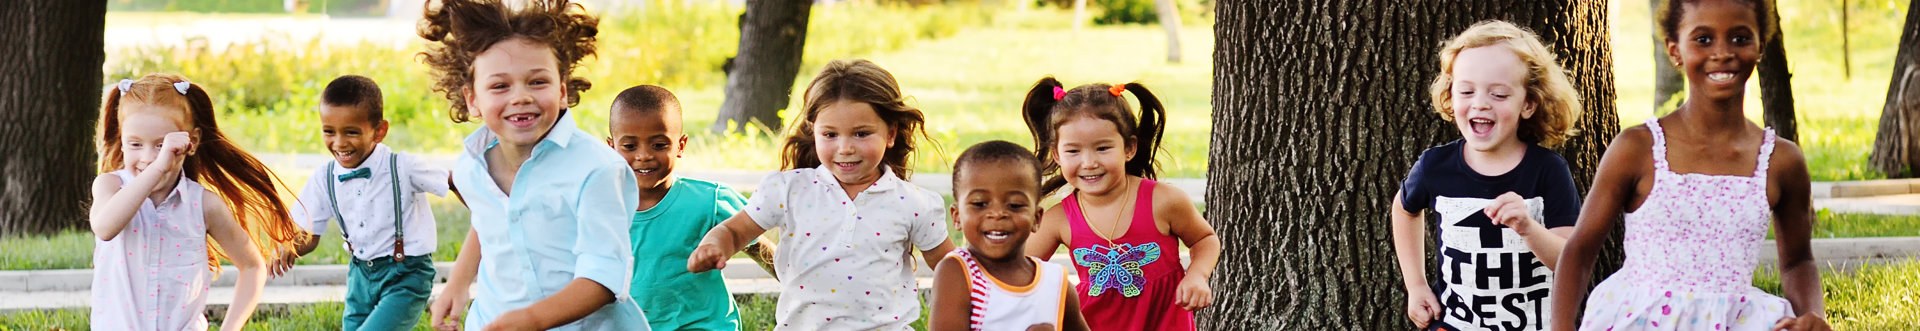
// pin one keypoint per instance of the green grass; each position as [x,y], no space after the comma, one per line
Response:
[1875,297]
[756,313]
[1829,224]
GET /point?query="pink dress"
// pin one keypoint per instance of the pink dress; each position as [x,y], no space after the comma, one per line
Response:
[153,276]
[1128,283]
[1691,251]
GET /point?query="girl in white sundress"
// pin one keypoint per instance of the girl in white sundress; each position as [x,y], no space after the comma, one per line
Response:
[152,219]
[1698,188]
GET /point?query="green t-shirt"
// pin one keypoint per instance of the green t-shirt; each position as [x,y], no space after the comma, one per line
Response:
[663,237]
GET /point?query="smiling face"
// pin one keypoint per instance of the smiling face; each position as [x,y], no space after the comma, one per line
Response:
[995,206]
[1489,97]
[349,135]
[649,141]
[1717,44]
[851,140]
[517,90]
[142,129]
[1092,154]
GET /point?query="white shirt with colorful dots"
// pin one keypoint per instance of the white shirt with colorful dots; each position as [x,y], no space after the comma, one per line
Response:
[847,264]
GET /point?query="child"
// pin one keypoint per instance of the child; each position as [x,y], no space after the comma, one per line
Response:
[849,219]
[380,196]
[1698,188]
[550,205]
[1123,229]
[159,144]
[674,213]
[992,285]
[1505,202]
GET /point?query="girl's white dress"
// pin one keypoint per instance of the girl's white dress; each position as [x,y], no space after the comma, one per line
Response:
[154,275]
[1691,252]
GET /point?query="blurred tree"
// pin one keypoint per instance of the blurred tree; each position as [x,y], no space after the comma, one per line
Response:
[47,107]
[1314,127]
[1896,149]
[1667,81]
[1776,80]
[773,34]
[1170,20]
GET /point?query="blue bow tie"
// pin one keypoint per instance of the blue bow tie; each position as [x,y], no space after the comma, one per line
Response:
[357,173]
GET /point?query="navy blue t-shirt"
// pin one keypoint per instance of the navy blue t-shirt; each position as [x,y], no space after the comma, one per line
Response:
[1489,279]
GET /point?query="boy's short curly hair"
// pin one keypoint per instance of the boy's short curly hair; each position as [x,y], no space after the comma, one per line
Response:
[462,29]
[1556,103]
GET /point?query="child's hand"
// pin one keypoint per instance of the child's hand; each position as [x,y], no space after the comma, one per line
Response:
[1193,294]
[284,262]
[1422,307]
[705,258]
[1511,210]
[515,320]
[1809,322]
[448,311]
[173,150]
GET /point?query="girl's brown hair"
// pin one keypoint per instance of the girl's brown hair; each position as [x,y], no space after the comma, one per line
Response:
[1556,103]
[249,188]
[857,81]
[462,29]
[1049,105]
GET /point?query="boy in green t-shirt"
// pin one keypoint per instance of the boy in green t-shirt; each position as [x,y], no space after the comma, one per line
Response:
[674,214]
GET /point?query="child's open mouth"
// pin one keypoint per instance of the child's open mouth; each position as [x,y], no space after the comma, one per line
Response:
[1480,126]
[644,171]
[997,236]
[1093,178]
[521,120]
[1722,77]
[846,166]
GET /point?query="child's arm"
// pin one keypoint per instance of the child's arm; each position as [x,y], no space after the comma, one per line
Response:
[1046,235]
[1615,184]
[1173,206]
[952,306]
[449,310]
[722,241]
[933,255]
[580,298]
[1793,222]
[1410,249]
[245,257]
[1510,210]
[114,205]
[1073,320]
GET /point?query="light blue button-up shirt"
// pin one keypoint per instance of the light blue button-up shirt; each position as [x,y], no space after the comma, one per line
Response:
[566,218]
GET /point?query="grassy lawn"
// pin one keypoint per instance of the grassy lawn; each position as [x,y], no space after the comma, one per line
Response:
[1876,297]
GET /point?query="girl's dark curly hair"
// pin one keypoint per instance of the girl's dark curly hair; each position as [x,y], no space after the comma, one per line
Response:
[461,29]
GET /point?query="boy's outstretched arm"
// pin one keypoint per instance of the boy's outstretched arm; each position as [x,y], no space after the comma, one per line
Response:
[580,298]
[722,241]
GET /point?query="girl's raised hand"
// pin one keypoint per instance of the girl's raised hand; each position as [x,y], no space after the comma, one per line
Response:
[173,149]
[1193,294]
[1511,210]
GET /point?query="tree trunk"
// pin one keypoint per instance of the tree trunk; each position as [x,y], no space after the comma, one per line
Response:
[1315,124]
[47,107]
[1667,81]
[1170,20]
[1776,82]
[1079,14]
[773,34]
[1896,149]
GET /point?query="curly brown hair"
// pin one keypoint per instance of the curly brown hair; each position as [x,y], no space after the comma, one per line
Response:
[462,29]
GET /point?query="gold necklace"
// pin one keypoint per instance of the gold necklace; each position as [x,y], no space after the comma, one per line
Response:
[1124,207]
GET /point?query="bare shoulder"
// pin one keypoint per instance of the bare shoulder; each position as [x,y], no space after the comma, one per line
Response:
[107,181]
[1168,198]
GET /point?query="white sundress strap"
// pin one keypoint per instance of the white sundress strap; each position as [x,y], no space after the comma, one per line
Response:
[1659,145]
[1766,153]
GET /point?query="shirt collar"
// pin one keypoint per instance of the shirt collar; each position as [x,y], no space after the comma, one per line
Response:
[886,182]
[476,144]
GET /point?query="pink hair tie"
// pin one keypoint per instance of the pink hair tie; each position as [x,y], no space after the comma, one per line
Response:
[1058,93]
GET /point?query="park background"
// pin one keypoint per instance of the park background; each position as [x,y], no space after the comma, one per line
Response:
[966,64]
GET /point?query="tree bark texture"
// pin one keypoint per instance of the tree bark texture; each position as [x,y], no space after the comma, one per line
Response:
[773,34]
[1896,148]
[48,103]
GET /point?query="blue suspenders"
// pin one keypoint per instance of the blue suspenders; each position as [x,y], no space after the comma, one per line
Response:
[399,233]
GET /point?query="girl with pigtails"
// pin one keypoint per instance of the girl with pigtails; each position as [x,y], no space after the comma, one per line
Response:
[1123,229]
[171,182]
